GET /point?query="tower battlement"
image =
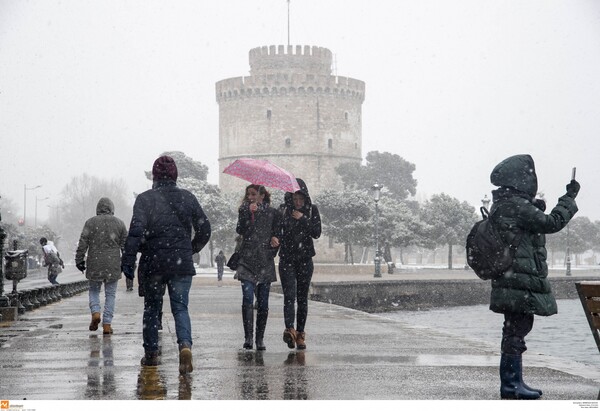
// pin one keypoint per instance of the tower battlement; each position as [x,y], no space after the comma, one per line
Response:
[303,59]
[289,84]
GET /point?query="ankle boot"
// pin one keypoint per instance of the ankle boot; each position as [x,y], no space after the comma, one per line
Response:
[261,324]
[185,360]
[289,337]
[511,379]
[95,321]
[248,321]
[300,343]
[107,329]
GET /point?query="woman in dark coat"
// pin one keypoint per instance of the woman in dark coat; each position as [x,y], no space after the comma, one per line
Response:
[301,222]
[524,290]
[258,224]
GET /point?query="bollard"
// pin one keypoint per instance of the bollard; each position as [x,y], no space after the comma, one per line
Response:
[25,300]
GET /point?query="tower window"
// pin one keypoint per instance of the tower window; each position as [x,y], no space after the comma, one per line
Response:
[346,115]
[330,143]
[288,142]
[268,114]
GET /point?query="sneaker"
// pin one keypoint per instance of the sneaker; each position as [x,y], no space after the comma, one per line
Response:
[185,361]
[289,337]
[95,321]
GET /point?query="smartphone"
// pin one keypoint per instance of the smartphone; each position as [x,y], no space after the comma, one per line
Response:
[573,173]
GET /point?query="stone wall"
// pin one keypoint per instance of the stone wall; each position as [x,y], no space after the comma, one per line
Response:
[381,296]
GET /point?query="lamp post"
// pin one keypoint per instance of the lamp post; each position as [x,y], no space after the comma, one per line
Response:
[376,191]
[25,189]
[568,254]
[486,202]
[36,202]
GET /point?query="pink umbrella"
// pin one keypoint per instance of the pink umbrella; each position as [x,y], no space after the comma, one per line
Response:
[264,173]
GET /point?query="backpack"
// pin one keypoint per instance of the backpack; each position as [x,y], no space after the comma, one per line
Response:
[487,252]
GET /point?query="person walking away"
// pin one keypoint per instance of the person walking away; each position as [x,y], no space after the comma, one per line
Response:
[300,224]
[52,260]
[524,290]
[258,223]
[161,229]
[220,260]
[101,241]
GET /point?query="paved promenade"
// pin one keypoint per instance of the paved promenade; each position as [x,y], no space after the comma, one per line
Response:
[49,354]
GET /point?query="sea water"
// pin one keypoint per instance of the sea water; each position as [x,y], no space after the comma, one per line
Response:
[566,335]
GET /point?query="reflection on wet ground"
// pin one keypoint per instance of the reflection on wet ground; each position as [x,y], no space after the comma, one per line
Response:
[100,371]
[295,384]
[252,382]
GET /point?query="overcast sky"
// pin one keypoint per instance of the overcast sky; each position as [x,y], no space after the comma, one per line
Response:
[451,86]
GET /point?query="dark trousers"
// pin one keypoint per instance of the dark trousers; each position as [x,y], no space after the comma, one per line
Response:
[295,278]
[516,327]
[219,272]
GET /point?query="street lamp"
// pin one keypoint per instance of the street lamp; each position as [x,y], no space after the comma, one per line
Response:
[25,189]
[486,202]
[376,191]
[36,202]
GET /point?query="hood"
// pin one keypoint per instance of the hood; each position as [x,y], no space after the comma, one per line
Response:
[105,206]
[289,201]
[516,172]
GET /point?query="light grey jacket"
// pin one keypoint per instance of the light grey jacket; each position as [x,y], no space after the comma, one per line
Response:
[103,238]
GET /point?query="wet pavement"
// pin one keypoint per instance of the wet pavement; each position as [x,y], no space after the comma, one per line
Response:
[49,354]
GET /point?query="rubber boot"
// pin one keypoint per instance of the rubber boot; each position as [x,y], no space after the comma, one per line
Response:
[511,379]
[261,324]
[248,321]
[523,382]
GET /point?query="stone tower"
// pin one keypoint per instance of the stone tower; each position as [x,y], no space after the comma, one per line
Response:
[292,111]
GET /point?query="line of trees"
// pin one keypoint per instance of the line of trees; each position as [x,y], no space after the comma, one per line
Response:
[348,215]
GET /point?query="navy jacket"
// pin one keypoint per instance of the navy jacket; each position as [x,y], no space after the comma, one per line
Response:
[156,231]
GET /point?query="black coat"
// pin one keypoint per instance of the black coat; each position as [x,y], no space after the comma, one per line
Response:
[156,231]
[257,263]
[296,236]
[525,287]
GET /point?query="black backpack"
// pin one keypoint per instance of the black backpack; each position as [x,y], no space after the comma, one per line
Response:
[487,253]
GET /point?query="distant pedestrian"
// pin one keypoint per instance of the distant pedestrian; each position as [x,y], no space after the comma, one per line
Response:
[258,223]
[300,224]
[524,290]
[101,241]
[161,229]
[220,259]
[52,260]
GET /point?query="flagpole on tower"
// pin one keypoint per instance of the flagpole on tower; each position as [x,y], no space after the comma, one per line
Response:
[288,16]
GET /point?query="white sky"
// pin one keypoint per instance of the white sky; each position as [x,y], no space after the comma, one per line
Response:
[451,86]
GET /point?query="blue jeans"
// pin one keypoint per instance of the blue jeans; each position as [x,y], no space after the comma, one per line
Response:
[110,292]
[179,293]
[262,294]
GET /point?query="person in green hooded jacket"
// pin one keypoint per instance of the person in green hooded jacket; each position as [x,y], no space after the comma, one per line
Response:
[524,290]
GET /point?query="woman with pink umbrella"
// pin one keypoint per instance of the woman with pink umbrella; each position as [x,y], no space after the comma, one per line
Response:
[258,224]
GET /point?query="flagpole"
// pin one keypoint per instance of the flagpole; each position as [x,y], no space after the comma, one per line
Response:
[288,17]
